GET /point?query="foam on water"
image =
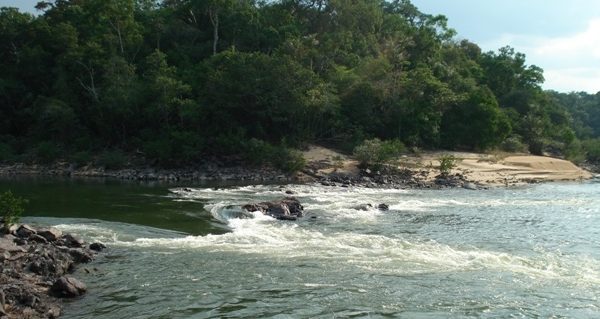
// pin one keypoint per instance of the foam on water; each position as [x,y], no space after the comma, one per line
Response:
[494,250]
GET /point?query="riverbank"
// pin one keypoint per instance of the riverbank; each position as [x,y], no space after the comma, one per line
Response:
[204,173]
[329,167]
[36,268]
[471,170]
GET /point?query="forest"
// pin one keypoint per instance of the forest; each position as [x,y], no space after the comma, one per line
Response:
[178,82]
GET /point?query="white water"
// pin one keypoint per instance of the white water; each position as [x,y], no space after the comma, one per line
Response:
[529,252]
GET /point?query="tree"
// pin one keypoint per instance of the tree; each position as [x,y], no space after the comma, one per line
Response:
[477,123]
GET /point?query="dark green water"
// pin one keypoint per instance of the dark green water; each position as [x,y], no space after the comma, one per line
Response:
[531,252]
[111,200]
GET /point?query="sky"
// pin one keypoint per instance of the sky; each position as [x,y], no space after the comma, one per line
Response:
[562,37]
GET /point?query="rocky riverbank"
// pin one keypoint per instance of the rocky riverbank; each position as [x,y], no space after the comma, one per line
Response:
[390,177]
[36,270]
[203,173]
[471,170]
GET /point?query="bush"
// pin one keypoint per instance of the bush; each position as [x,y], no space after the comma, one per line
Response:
[574,152]
[447,163]
[260,152]
[592,150]
[7,154]
[112,159]
[514,144]
[159,150]
[374,152]
[46,152]
[81,158]
[11,208]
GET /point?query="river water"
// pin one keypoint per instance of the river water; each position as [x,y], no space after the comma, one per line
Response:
[531,252]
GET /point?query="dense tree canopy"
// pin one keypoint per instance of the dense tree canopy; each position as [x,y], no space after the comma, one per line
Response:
[176,81]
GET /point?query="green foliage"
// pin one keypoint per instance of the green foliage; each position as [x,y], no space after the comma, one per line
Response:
[574,152]
[46,152]
[112,159]
[592,150]
[447,163]
[513,144]
[260,153]
[478,123]
[7,153]
[375,153]
[188,80]
[11,208]
[82,158]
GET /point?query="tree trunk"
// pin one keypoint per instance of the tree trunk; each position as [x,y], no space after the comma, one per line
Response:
[213,14]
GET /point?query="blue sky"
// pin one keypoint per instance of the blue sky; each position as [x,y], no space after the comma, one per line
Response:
[562,37]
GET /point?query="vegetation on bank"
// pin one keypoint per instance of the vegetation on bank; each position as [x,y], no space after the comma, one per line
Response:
[175,82]
[11,208]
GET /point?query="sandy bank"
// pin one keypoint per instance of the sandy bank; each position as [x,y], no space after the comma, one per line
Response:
[482,169]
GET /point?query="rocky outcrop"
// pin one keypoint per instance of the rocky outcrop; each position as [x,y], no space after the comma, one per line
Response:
[35,268]
[285,209]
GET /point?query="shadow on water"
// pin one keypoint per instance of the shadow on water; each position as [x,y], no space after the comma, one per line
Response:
[143,203]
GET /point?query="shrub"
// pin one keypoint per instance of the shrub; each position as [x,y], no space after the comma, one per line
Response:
[259,152]
[11,208]
[46,152]
[81,158]
[592,150]
[574,152]
[290,161]
[159,150]
[514,144]
[112,159]
[447,163]
[7,153]
[374,152]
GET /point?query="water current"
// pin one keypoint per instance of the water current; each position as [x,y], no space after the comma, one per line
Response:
[180,252]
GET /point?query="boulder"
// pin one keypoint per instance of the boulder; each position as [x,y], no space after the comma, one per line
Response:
[67,287]
[80,255]
[50,262]
[364,207]
[383,207]
[470,186]
[72,241]
[38,239]
[25,231]
[7,245]
[286,209]
[97,246]
[51,234]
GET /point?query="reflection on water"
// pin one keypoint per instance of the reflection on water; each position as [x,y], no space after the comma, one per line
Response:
[181,253]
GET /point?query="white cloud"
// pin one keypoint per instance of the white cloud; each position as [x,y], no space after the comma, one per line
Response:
[570,63]
[573,79]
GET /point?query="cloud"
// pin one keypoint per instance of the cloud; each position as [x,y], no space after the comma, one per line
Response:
[570,63]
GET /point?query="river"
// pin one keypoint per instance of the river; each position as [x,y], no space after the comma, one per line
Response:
[179,253]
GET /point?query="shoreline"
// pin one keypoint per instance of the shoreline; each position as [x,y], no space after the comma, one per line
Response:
[37,270]
[389,176]
[330,168]
[207,174]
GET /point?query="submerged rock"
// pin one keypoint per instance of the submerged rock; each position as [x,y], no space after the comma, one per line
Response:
[97,246]
[363,207]
[285,209]
[383,207]
[470,186]
[68,287]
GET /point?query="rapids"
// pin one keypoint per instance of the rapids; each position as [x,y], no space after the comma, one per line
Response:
[522,252]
